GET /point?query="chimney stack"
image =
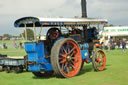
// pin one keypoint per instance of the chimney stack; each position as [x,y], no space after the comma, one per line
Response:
[84,8]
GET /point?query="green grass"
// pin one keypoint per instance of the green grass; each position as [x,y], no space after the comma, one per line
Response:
[115,73]
[11,51]
[10,43]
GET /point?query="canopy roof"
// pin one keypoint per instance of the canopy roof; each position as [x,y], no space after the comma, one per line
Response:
[45,22]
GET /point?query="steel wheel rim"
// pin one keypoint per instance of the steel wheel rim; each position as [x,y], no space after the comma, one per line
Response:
[100,60]
[69,58]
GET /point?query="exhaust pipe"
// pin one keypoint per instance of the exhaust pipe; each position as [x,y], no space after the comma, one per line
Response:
[84,15]
[84,8]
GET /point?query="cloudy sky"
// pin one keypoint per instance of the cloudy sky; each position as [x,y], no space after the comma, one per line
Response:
[116,11]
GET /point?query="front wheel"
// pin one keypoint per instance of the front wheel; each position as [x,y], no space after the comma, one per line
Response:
[99,60]
[66,58]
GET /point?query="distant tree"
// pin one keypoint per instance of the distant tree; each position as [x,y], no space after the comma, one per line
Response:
[7,35]
[106,25]
[111,25]
[30,34]
[120,25]
[1,37]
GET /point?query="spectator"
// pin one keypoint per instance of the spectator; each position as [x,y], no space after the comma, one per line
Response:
[4,45]
[20,44]
[118,43]
[123,44]
[15,45]
[110,43]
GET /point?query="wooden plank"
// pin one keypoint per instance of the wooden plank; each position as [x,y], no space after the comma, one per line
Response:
[16,57]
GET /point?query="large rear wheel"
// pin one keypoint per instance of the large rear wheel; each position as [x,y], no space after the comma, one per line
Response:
[66,58]
[99,60]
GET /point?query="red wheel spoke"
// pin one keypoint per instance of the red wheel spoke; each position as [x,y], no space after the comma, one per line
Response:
[71,50]
[63,61]
[75,57]
[101,59]
[73,66]
[68,70]
[62,67]
[68,47]
[98,63]
[60,58]
[72,62]
[62,55]
[70,66]
[98,55]
[65,65]
[72,54]
[64,50]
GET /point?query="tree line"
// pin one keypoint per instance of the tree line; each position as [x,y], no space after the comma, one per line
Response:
[30,35]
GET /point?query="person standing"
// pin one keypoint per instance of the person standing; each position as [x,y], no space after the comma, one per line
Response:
[110,43]
[20,44]
[123,44]
[15,45]
[118,43]
[4,45]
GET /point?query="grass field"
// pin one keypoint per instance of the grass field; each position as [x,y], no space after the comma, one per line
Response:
[115,73]
[11,51]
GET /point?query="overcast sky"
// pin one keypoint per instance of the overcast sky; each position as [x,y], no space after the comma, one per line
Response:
[116,11]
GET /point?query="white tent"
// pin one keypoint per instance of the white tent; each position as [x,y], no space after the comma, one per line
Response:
[115,31]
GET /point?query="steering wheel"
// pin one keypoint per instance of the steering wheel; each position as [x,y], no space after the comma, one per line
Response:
[53,33]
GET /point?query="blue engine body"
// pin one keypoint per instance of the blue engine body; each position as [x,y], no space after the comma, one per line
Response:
[84,51]
[36,57]
[37,60]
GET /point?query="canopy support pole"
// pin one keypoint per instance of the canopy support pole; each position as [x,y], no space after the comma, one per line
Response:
[26,32]
[22,36]
[98,27]
[60,28]
[34,31]
[40,32]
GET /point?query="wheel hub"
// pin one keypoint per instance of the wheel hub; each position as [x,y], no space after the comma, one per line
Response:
[98,60]
[69,58]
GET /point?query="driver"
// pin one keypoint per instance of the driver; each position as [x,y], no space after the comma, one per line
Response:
[53,33]
[76,30]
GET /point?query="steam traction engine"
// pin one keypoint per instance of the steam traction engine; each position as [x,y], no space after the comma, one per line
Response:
[62,53]
[68,43]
